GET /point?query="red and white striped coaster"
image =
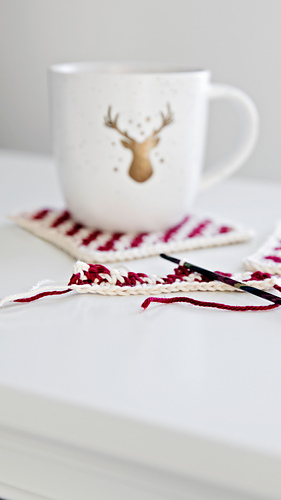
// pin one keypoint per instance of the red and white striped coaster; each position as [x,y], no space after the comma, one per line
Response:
[93,245]
[268,258]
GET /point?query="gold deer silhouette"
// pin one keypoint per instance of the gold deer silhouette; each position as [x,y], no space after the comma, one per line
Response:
[140,169]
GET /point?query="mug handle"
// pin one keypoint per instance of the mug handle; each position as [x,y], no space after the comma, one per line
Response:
[248,122]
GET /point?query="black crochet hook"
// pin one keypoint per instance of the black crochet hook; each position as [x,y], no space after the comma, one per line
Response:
[224,279]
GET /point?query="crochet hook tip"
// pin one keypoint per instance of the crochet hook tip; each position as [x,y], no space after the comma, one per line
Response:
[168,257]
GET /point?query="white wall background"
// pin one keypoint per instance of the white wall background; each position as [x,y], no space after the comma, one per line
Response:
[239,40]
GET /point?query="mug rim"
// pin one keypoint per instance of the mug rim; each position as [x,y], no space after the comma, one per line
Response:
[123,68]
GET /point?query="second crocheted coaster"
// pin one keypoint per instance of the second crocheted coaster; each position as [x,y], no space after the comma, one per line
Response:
[93,245]
[268,258]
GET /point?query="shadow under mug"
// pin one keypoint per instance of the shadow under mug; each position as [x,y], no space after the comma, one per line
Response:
[129,141]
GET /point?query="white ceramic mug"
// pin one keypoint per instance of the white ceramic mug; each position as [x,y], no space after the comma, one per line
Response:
[129,141]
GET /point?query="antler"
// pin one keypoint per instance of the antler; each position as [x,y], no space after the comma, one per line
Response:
[112,123]
[166,120]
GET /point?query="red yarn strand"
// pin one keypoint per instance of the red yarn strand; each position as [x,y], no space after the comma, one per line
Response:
[43,294]
[201,303]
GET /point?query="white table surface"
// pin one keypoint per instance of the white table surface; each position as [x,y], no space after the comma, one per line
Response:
[99,399]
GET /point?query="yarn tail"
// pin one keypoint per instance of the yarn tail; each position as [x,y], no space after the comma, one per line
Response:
[200,303]
[28,297]
[42,294]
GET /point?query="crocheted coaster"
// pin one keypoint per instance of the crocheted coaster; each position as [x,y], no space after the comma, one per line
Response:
[98,279]
[268,258]
[92,245]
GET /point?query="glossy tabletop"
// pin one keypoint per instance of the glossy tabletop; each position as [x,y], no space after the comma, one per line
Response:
[175,391]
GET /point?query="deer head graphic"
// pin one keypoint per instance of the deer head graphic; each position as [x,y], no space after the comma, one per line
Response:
[140,169]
